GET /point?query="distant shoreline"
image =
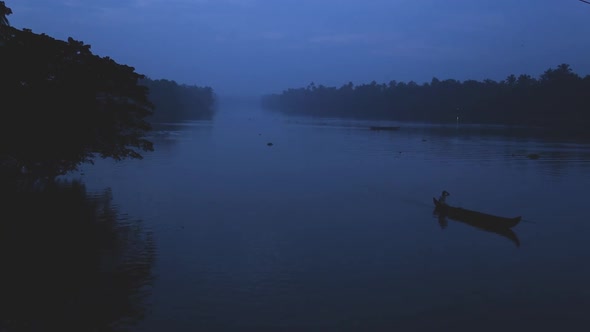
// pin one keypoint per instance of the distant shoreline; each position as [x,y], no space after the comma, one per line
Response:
[556,101]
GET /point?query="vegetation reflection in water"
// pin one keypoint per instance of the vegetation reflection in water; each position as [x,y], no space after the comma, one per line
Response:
[70,260]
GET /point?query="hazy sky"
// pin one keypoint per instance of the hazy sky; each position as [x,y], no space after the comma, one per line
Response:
[242,47]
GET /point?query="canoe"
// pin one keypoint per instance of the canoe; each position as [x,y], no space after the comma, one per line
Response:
[483,221]
[469,216]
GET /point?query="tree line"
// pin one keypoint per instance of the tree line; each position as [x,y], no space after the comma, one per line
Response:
[62,106]
[175,102]
[559,98]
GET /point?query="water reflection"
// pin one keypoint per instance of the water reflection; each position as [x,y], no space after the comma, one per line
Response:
[323,230]
[479,221]
[505,232]
[166,136]
[70,261]
[481,144]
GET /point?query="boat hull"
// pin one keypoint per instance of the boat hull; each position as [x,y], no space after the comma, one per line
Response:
[482,221]
[478,219]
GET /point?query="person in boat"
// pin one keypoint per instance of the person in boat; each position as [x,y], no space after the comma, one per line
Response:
[443,198]
[442,202]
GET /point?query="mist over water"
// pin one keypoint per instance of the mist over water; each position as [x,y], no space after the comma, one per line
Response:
[332,228]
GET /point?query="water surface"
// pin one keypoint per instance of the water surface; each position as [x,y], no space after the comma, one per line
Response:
[332,228]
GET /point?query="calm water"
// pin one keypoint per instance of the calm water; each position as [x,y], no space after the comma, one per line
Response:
[332,228]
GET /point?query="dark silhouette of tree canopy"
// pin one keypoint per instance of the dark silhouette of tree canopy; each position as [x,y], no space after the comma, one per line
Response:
[4,11]
[558,98]
[178,102]
[63,105]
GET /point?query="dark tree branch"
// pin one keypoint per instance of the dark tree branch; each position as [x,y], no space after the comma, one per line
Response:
[4,11]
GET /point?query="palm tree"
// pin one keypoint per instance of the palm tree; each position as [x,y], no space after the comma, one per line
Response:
[4,11]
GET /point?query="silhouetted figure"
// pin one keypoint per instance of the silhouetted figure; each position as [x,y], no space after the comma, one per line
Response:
[443,197]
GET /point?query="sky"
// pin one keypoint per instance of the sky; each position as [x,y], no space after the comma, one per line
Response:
[253,47]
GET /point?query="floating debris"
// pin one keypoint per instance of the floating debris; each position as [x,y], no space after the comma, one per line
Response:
[269,144]
[384,128]
[533,156]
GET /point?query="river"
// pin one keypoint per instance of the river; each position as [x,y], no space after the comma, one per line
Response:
[331,228]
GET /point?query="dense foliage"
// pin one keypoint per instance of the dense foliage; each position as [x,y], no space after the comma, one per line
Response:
[63,105]
[177,102]
[559,97]
[4,11]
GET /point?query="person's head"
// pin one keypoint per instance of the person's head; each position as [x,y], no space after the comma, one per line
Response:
[445,193]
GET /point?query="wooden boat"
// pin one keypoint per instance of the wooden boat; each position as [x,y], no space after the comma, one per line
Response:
[483,221]
[469,216]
